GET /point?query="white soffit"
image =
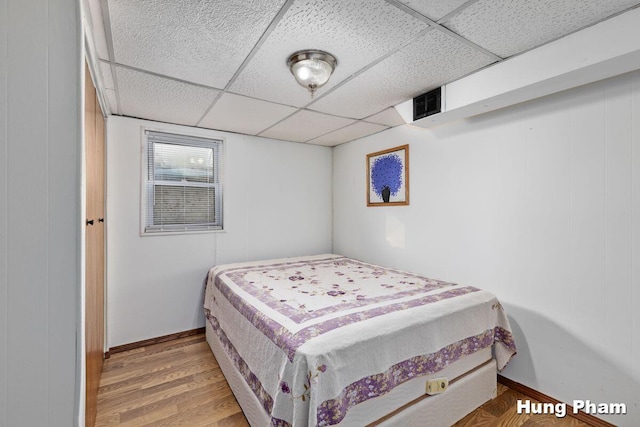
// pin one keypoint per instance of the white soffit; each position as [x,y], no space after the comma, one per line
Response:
[305,125]
[97,30]
[110,94]
[109,86]
[356,32]
[429,62]
[240,114]
[107,77]
[204,44]
[598,52]
[357,130]
[434,9]
[164,100]
[389,117]
[525,24]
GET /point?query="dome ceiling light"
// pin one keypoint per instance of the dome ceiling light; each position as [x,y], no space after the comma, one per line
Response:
[312,68]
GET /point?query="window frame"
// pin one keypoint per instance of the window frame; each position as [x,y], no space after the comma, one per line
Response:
[147,185]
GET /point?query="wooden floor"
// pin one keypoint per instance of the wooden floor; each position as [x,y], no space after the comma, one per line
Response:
[173,383]
[180,383]
[501,411]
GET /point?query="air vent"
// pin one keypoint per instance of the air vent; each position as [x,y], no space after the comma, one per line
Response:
[427,104]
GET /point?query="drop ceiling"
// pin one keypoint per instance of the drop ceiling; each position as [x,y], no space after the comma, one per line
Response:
[222,64]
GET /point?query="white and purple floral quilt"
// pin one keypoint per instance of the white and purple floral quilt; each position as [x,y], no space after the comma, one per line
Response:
[315,336]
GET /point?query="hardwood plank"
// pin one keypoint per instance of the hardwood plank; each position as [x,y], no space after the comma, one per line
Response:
[497,407]
[147,418]
[501,389]
[152,341]
[120,403]
[149,380]
[107,419]
[210,414]
[142,364]
[478,418]
[235,420]
[587,419]
[146,374]
[136,398]
[546,420]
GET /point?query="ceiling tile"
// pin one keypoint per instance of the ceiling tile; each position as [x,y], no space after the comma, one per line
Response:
[434,9]
[356,32]
[240,114]
[164,100]
[200,41]
[389,117]
[508,28]
[305,125]
[357,130]
[431,61]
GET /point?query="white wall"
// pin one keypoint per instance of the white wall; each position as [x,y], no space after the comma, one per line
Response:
[40,221]
[277,203]
[539,203]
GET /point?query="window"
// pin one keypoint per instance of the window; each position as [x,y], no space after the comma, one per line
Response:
[183,190]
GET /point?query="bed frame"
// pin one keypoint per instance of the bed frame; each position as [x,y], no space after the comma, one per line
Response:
[472,382]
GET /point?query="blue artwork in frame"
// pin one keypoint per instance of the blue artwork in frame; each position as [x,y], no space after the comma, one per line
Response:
[388,177]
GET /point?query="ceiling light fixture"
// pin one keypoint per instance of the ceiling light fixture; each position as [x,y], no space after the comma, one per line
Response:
[312,68]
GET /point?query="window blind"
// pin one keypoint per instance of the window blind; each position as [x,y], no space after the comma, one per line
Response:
[183,188]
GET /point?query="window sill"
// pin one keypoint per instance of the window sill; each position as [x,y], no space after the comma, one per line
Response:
[180,232]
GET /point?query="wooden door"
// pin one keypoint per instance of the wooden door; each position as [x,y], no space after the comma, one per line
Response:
[94,247]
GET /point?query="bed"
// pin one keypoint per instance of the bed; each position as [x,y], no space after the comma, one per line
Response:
[328,340]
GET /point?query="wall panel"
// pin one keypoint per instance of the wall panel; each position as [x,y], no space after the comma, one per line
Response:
[4,226]
[39,211]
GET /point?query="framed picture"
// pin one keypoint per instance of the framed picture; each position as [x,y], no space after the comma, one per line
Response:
[388,177]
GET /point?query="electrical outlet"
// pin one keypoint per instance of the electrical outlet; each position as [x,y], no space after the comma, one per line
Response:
[437,385]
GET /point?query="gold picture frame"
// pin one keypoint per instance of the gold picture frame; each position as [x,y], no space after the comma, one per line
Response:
[388,177]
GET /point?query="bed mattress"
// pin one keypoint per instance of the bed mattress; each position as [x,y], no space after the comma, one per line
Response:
[315,337]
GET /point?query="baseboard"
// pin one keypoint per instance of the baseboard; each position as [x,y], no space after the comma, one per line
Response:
[541,397]
[151,341]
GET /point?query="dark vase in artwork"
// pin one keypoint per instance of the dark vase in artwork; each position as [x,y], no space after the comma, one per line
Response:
[386,193]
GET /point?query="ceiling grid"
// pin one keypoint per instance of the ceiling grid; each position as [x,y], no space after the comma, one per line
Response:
[264,36]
